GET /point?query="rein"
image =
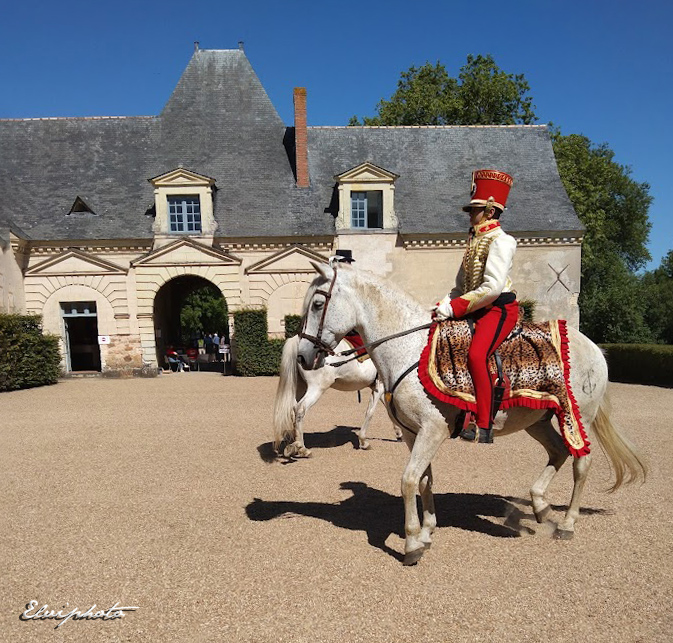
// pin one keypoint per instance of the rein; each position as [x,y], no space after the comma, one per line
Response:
[376,343]
[324,347]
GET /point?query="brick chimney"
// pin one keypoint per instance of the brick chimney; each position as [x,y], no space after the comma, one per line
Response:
[301,137]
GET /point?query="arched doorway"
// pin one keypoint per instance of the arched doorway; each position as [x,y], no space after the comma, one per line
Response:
[186,309]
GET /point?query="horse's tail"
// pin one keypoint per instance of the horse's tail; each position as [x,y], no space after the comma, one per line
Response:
[627,463]
[284,405]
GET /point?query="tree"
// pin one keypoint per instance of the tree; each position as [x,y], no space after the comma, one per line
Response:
[204,310]
[612,206]
[614,209]
[657,286]
[483,94]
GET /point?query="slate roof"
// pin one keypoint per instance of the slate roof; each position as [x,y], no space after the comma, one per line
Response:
[219,122]
[435,166]
[46,163]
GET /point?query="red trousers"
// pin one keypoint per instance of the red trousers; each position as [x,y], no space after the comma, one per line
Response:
[491,328]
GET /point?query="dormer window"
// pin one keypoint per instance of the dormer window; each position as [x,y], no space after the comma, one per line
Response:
[183,202]
[366,199]
[367,209]
[184,214]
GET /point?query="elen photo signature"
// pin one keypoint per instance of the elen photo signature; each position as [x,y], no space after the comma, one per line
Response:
[62,615]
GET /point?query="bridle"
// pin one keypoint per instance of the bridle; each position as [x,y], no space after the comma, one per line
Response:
[322,346]
[317,339]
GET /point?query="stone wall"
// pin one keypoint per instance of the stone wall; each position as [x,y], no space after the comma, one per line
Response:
[12,299]
[123,354]
[274,276]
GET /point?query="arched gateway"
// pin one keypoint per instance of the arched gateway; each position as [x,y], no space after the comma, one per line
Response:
[185,309]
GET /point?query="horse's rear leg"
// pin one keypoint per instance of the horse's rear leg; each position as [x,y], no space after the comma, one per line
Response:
[377,392]
[544,432]
[566,529]
[297,448]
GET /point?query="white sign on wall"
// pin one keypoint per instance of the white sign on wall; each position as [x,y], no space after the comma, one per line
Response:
[103,339]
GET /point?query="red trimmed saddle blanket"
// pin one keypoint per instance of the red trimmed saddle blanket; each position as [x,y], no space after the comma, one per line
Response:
[356,341]
[536,364]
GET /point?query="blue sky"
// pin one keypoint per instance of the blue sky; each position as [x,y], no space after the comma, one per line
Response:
[599,68]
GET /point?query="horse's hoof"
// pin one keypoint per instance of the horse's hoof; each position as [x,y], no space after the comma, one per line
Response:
[412,557]
[563,534]
[303,452]
[365,446]
[290,450]
[541,516]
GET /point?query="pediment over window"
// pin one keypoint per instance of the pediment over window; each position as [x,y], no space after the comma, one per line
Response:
[181,177]
[294,259]
[75,262]
[183,204]
[187,252]
[366,199]
[366,172]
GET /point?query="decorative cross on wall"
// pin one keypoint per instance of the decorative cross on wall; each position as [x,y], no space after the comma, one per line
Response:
[558,274]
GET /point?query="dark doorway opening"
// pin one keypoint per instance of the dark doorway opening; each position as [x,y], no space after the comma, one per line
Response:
[80,320]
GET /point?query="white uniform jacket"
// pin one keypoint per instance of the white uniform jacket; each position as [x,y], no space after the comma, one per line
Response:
[484,273]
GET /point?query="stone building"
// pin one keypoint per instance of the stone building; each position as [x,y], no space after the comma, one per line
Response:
[106,221]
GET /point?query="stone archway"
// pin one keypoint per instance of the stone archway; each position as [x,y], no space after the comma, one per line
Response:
[150,279]
[286,300]
[169,304]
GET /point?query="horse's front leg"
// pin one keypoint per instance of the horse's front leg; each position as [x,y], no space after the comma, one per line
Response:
[423,448]
[377,392]
[298,448]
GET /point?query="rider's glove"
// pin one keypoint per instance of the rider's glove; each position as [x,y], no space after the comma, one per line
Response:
[443,309]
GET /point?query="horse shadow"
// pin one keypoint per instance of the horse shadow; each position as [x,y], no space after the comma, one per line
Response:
[338,436]
[380,515]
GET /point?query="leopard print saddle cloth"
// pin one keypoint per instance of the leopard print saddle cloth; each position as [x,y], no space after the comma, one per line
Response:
[535,362]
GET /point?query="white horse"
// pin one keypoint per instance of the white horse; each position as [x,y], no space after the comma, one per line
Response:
[296,395]
[377,309]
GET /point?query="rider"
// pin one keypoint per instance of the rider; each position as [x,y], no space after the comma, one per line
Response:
[341,256]
[484,290]
[346,256]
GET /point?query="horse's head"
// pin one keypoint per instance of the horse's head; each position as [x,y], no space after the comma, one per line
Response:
[328,315]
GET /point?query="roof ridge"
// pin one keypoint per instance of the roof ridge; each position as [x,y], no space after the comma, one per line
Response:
[419,126]
[237,50]
[73,118]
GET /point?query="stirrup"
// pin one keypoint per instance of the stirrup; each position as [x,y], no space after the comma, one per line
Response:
[474,434]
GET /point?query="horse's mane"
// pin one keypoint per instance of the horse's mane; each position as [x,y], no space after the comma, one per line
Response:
[387,289]
[371,283]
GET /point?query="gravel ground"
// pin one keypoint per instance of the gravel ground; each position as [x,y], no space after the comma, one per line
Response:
[159,494]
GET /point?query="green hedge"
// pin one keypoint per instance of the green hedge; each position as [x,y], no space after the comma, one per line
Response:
[640,363]
[292,325]
[254,353]
[27,357]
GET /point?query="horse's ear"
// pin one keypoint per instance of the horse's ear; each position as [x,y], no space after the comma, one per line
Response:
[323,269]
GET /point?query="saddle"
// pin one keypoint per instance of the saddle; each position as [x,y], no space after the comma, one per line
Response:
[535,372]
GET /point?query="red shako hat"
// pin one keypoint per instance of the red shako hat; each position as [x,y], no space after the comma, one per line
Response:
[489,187]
